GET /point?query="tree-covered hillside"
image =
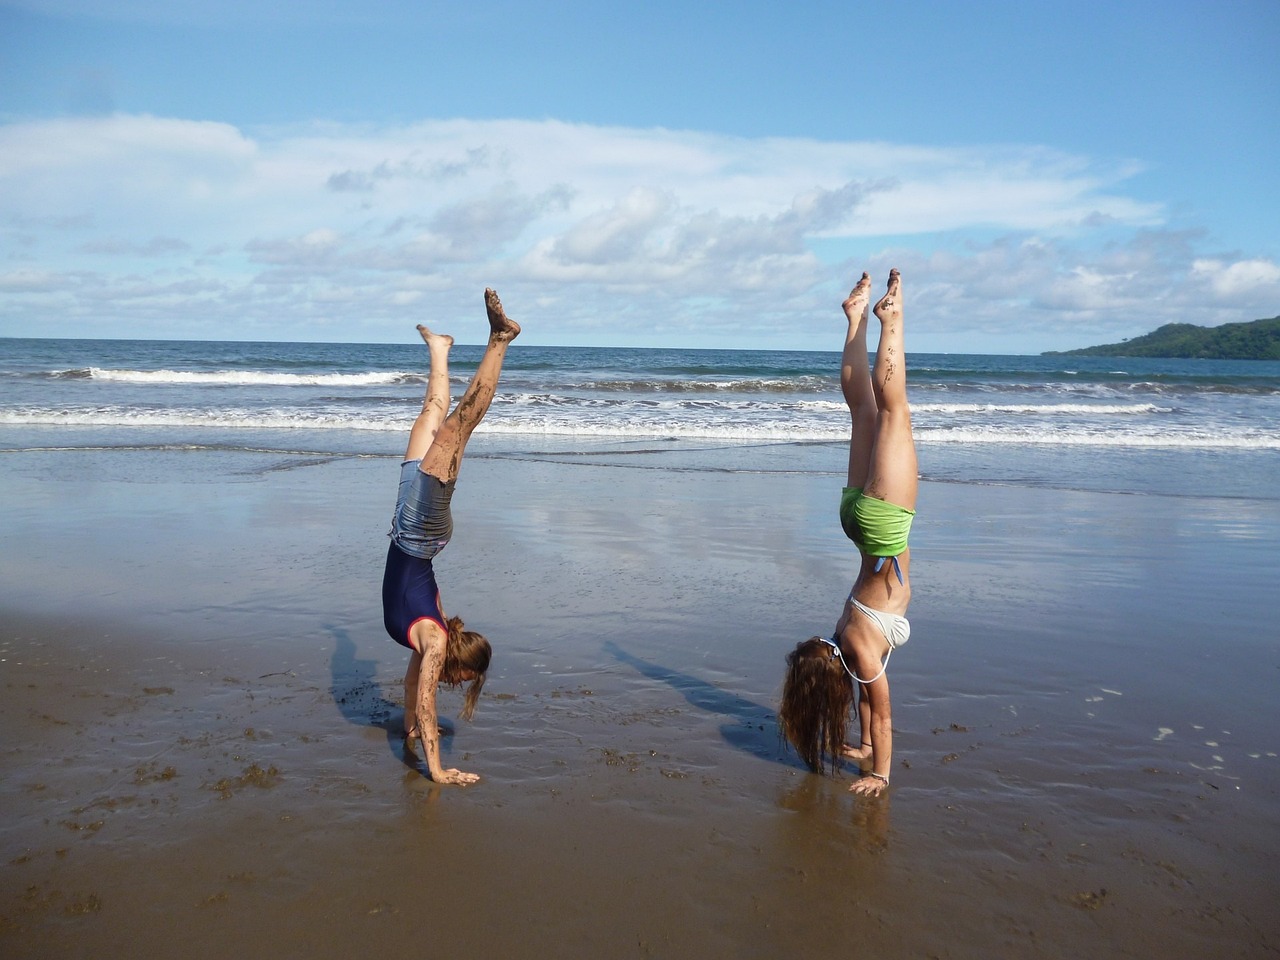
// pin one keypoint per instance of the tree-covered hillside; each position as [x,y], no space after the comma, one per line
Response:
[1257,340]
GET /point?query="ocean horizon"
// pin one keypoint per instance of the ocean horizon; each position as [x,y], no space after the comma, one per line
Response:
[1139,425]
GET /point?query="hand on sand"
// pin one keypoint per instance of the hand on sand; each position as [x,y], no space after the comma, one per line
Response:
[869,786]
[455,776]
[862,752]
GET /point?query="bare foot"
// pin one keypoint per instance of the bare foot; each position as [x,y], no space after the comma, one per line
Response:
[431,339]
[501,327]
[855,307]
[856,753]
[890,306]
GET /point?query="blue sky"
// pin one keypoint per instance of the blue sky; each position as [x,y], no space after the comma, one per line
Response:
[1046,176]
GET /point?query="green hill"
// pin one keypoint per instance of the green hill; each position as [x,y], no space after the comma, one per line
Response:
[1258,340]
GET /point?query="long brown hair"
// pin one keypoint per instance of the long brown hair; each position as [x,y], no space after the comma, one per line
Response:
[465,650]
[816,696]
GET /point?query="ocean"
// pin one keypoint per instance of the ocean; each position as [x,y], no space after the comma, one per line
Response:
[1143,426]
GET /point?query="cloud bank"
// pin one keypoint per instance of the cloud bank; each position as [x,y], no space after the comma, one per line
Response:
[150,226]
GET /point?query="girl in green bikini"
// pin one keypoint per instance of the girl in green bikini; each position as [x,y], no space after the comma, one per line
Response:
[876,510]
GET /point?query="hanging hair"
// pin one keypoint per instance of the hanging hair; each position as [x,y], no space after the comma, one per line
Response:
[816,696]
[465,650]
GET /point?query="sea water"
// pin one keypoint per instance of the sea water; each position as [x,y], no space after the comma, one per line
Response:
[1149,426]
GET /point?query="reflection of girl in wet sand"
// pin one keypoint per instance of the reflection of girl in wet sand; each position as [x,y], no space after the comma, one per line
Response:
[876,510]
[442,651]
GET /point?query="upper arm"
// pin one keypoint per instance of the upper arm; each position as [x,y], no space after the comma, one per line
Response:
[430,640]
[842,623]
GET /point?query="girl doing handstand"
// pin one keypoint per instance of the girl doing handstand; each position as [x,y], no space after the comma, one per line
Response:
[876,510]
[441,651]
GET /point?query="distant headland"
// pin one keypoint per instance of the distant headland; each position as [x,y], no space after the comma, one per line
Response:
[1257,340]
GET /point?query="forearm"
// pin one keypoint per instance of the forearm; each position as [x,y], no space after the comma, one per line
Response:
[429,729]
[864,721]
[881,745]
[877,779]
[428,722]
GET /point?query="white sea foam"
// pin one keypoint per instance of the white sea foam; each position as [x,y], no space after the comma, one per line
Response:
[226,419]
[1044,409]
[249,378]
[1079,437]
[744,421]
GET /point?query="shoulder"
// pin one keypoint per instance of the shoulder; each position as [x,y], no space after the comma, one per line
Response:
[429,636]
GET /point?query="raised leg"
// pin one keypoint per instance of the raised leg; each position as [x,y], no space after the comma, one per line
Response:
[444,456]
[894,471]
[855,383]
[435,405]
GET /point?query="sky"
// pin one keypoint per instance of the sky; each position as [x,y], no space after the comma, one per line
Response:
[692,174]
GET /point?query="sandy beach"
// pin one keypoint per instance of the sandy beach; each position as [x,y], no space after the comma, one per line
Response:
[201,750]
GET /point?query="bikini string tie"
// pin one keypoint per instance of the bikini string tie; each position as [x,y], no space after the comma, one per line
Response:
[896,569]
[839,653]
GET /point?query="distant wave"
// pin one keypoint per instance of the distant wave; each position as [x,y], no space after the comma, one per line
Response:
[808,432]
[659,422]
[569,382]
[785,407]
[511,378]
[1077,409]
[241,378]
[1055,437]
[751,385]
[222,419]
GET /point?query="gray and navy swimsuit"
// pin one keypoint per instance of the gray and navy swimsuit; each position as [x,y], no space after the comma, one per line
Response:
[420,528]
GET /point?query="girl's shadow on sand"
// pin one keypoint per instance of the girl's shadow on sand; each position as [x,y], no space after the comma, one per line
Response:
[358,695]
[752,728]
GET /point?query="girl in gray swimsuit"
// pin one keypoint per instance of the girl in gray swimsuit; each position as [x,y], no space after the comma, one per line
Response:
[441,650]
[825,677]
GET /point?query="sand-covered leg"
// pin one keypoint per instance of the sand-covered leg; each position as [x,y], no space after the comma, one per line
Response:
[444,457]
[435,404]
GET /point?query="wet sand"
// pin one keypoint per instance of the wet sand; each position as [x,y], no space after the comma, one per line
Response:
[201,715]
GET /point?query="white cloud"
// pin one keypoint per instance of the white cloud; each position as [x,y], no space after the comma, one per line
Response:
[28,280]
[618,234]
[1243,278]
[132,219]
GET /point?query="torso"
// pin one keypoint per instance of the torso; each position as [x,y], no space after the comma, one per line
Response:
[881,590]
[409,595]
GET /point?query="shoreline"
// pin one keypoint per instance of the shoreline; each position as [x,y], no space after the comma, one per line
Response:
[215,759]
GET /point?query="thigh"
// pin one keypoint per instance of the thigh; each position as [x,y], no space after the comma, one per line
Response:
[894,475]
[444,456]
[862,439]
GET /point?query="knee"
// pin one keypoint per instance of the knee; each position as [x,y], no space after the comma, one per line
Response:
[863,417]
[894,418]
